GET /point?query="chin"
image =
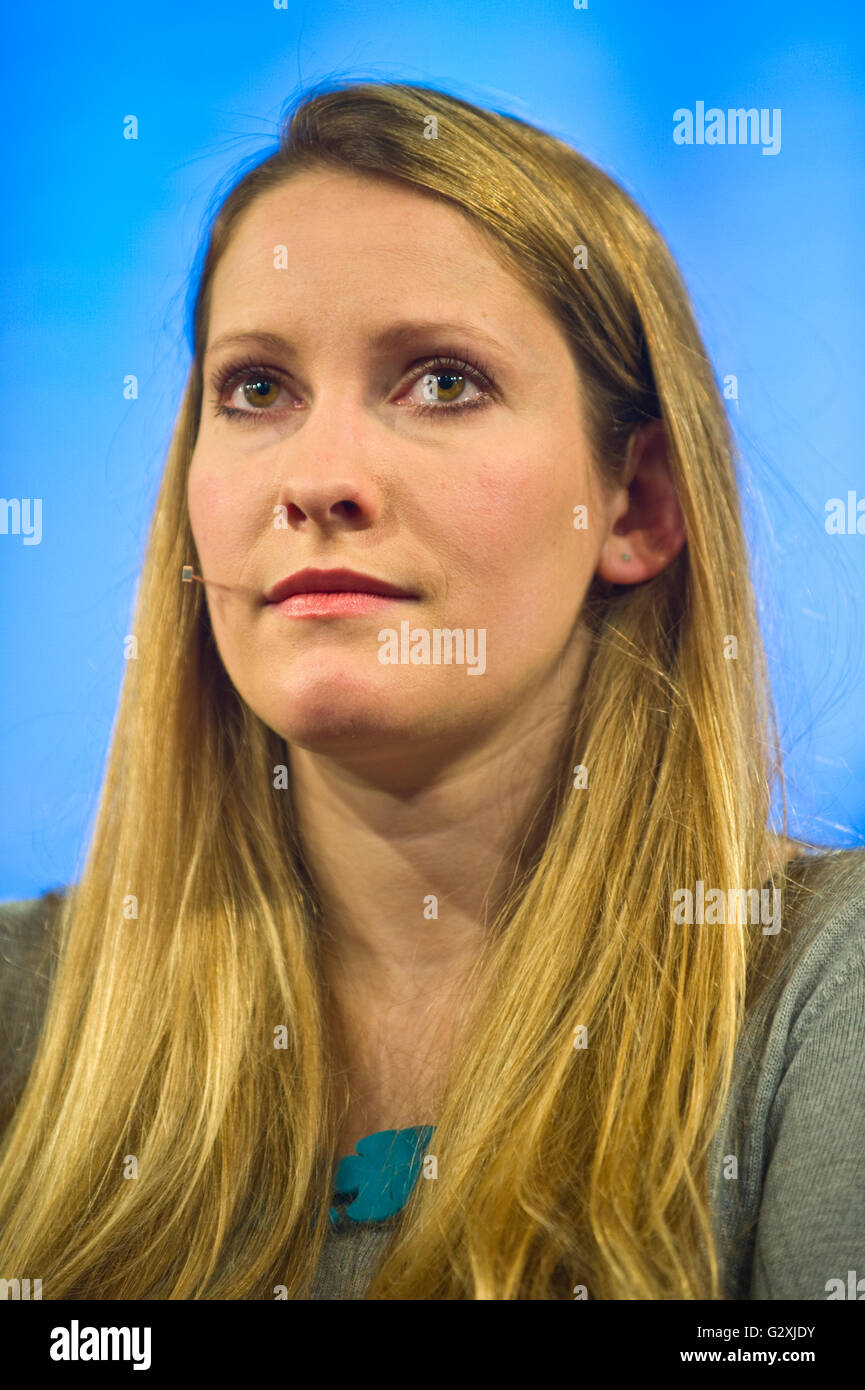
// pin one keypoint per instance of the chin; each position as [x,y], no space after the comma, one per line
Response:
[331,731]
[335,712]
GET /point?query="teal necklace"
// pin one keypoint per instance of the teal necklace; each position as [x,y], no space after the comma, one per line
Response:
[382,1173]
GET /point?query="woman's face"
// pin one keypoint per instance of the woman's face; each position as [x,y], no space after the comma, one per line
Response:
[347,451]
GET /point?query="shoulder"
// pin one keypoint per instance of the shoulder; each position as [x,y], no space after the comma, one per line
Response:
[817,980]
[27,958]
[816,992]
[825,923]
[792,1204]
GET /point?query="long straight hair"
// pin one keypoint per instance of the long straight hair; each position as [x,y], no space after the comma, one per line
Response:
[163,1146]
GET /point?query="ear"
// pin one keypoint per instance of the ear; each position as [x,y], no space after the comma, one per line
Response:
[647,529]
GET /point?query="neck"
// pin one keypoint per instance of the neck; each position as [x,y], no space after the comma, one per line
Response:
[410,879]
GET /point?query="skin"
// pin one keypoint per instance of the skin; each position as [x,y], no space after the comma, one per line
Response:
[409,779]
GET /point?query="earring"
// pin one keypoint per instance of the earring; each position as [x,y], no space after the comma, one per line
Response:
[625,557]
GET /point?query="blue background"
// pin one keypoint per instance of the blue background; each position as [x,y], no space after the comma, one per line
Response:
[100,235]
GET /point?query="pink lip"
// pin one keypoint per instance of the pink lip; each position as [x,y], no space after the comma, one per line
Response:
[314,581]
[339,604]
[336,593]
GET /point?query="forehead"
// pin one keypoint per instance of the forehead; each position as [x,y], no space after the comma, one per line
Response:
[362,244]
[324,212]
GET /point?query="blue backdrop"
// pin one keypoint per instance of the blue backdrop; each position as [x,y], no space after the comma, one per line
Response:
[100,234]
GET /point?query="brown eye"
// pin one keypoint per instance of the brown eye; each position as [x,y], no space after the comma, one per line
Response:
[443,386]
[256,391]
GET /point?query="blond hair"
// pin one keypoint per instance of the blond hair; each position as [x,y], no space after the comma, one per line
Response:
[557,1167]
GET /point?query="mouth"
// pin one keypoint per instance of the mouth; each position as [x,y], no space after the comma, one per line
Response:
[314,593]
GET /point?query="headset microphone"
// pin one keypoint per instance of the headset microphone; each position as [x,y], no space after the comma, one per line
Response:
[188,575]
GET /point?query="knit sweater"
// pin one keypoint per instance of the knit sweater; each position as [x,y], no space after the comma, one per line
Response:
[786,1168]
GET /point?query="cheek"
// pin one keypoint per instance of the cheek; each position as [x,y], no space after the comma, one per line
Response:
[525,566]
[220,515]
[516,522]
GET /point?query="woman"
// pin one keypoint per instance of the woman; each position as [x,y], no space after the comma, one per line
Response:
[410,857]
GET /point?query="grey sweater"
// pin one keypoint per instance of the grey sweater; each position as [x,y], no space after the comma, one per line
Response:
[786,1169]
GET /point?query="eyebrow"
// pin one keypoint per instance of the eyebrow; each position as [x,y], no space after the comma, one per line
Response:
[391,337]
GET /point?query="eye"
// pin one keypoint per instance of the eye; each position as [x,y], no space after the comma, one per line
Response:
[443,383]
[443,386]
[256,385]
[440,387]
[259,391]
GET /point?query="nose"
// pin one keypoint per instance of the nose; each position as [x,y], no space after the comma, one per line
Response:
[328,480]
[325,505]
